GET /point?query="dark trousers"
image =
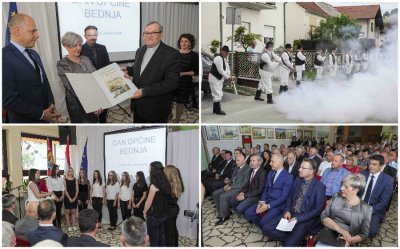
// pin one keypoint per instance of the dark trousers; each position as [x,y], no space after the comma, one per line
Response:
[171,231]
[103,116]
[138,120]
[242,206]
[125,211]
[138,212]
[97,204]
[83,205]
[59,205]
[112,212]
[155,230]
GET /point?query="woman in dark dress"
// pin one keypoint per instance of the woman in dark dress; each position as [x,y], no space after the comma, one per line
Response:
[139,194]
[266,161]
[189,68]
[70,199]
[84,190]
[156,204]
[171,232]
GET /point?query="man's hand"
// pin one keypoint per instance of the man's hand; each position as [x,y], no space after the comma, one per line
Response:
[98,112]
[262,207]
[286,215]
[227,188]
[138,94]
[50,114]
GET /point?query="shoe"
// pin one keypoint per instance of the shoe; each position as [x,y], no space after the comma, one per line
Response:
[285,88]
[258,96]
[298,82]
[217,109]
[111,228]
[221,221]
[281,89]
[269,98]
[69,229]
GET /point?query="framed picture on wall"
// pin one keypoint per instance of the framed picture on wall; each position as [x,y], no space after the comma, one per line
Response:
[259,133]
[245,129]
[290,133]
[270,133]
[324,134]
[229,132]
[280,133]
[212,132]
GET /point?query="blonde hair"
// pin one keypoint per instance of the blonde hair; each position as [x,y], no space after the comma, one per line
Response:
[175,180]
[114,178]
[127,180]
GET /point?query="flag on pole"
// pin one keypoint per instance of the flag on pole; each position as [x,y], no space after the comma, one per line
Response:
[84,162]
[12,11]
[50,158]
[67,157]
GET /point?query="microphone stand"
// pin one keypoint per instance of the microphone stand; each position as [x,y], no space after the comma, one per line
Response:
[19,199]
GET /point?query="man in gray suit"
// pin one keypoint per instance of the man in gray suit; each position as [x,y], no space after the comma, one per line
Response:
[221,196]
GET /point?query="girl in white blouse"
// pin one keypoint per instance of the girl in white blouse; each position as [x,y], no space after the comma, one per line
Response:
[97,195]
[55,185]
[124,200]
[112,193]
[34,193]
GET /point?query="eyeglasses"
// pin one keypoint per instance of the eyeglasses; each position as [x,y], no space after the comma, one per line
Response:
[151,33]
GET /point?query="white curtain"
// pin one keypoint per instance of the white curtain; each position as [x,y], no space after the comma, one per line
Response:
[182,151]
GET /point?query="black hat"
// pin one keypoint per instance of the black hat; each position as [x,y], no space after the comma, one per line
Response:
[225,48]
[288,46]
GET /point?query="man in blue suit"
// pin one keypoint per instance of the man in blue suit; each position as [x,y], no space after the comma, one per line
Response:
[27,95]
[46,230]
[276,191]
[377,193]
[304,205]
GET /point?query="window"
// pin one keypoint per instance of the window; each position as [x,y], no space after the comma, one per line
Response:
[269,34]
[372,27]
[34,153]
[247,25]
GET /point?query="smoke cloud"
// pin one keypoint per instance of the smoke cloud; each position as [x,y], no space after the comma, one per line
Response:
[370,96]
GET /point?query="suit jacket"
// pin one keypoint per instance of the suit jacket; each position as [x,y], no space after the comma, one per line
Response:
[228,169]
[313,203]
[390,171]
[248,159]
[9,217]
[84,241]
[102,55]
[295,169]
[41,233]
[381,194]
[240,177]
[25,96]
[256,186]
[158,81]
[275,195]
[317,160]
[215,163]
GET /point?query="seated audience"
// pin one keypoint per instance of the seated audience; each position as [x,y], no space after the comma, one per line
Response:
[8,235]
[347,214]
[292,165]
[393,159]
[222,196]
[213,166]
[9,207]
[304,205]
[89,226]
[332,177]
[251,193]
[226,173]
[377,193]
[351,164]
[46,230]
[314,155]
[386,168]
[29,222]
[327,163]
[134,233]
[276,191]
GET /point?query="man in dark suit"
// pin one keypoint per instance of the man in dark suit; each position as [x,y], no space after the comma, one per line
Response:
[392,172]
[156,75]
[97,54]
[292,165]
[277,188]
[314,156]
[222,196]
[301,153]
[377,193]
[213,166]
[9,207]
[89,226]
[304,205]
[27,95]
[46,230]
[253,189]
[226,169]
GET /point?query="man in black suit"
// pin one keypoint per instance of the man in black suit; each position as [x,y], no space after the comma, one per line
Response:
[156,75]
[27,95]
[292,165]
[314,156]
[213,166]
[301,153]
[97,54]
[89,226]
[392,172]
[134,233]
[9,207]
[46,230]
[227,167]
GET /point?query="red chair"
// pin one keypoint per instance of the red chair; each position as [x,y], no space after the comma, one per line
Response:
[22,242]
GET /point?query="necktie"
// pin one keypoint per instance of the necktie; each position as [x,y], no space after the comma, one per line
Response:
[252,176]
[369,189]
[273,178]
[93,48]
[29,52]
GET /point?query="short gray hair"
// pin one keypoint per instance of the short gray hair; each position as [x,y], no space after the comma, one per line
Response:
[257,156]
[356,181]
[279,156]
[71,39]
[8,200]
[48,243]
[134,231]
[8,233]
[155,22]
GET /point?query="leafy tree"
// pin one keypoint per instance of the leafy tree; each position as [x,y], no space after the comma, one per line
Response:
[214,46]
[28,161]
[394,11]
[386,14]
[337,28]
[244,39]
